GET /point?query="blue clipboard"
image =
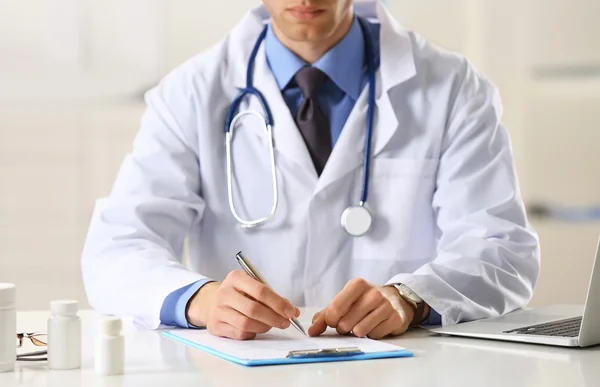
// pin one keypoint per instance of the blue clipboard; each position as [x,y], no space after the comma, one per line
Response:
[297,357]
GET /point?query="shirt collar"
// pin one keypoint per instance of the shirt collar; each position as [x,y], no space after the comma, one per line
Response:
[283,62]
[343,63]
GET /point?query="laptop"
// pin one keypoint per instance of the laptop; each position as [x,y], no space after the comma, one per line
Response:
[559,325]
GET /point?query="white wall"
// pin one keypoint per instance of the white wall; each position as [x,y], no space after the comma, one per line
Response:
[193,25]
[71,72]
[70,69]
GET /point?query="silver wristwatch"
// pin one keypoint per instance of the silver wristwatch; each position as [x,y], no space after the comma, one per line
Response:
[410,296]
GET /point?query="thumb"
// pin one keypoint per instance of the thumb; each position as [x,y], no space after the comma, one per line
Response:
[319,326]
[317,315]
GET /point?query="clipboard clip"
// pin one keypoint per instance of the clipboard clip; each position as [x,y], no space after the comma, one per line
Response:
[328,352]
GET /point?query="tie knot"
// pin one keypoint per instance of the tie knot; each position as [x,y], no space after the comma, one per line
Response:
[309,80]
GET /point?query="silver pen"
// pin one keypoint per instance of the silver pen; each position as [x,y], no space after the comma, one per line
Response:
[254,273]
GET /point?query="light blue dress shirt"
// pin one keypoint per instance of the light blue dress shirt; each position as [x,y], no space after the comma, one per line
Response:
[344,65]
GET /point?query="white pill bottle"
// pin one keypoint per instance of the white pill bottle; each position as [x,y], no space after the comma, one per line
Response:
[64,336]
[8,327]
[109,350]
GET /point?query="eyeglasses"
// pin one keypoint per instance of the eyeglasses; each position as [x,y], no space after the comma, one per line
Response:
[39,339]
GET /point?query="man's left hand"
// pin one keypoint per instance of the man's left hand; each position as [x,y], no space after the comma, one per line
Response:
[365,310]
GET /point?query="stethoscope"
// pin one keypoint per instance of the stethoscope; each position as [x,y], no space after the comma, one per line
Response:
[356,220]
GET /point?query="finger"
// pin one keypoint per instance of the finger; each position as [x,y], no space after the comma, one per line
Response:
[295,308]
[367,303]
[319,325]
[317,315]
[255,310]
[223,329]
[366,325]
[242,322]
[391,326]
[265,295]
[341,303]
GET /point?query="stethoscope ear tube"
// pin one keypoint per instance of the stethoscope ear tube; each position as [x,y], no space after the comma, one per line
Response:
[250,89]
[228,140]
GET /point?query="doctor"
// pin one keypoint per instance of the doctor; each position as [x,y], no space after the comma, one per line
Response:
[361,169]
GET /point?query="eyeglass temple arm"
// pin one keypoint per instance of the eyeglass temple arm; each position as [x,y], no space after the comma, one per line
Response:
[37,353]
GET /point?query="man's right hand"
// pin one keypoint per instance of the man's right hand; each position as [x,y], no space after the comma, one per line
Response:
[239,308]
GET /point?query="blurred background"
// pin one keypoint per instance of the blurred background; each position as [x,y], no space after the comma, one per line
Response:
[73,73]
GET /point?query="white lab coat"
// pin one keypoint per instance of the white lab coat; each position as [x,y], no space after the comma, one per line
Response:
[449,220]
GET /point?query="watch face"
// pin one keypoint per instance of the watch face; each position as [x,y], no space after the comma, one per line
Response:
[410,294]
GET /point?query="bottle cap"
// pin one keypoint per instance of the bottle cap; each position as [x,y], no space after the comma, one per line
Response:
[110,326]
[7,293]
[64,307]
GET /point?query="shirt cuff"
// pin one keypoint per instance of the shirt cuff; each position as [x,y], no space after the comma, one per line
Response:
[173,309]
[434,318]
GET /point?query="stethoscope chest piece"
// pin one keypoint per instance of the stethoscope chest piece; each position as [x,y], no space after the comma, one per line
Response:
[357,220]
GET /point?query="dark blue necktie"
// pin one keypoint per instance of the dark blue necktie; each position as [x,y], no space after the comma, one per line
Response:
[313,125]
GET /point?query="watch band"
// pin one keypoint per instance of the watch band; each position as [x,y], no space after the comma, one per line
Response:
[419,315]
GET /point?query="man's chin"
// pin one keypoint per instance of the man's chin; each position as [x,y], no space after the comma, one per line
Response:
[305,33]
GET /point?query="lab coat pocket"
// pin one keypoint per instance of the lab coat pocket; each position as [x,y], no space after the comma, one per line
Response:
[400,199]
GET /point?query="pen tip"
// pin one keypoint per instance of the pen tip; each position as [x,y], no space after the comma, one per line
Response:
[302,330]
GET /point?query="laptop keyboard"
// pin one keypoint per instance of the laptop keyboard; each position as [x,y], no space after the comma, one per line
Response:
[563,328]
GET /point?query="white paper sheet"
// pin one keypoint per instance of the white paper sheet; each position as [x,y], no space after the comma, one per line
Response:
[276,344]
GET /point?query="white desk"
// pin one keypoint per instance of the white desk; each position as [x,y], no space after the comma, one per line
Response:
[153,360]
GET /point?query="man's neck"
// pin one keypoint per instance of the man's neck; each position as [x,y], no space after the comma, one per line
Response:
[311,52]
